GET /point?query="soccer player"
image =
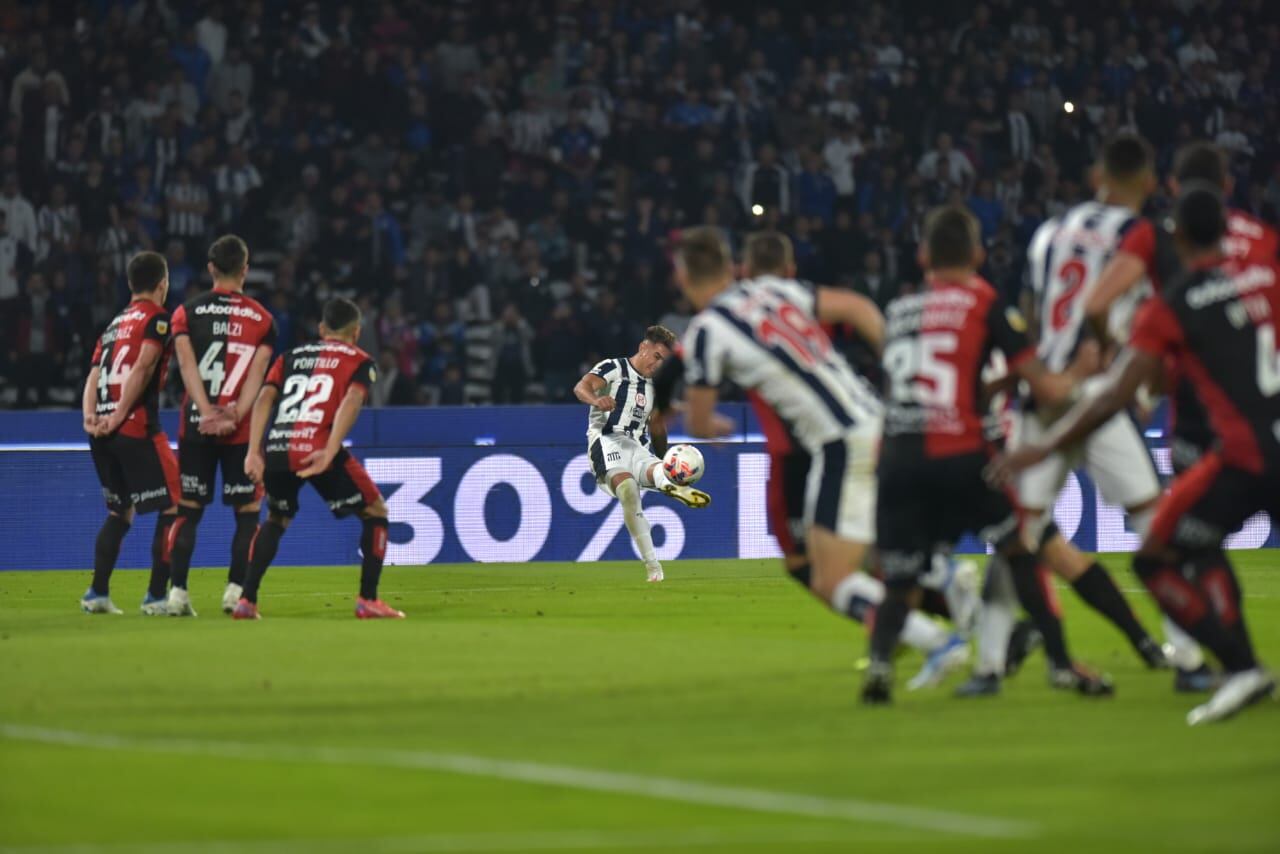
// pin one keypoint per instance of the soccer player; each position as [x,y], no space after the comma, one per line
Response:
[320,388]
[765,335]
[223,340]
[937,442]
[1065,256]
[625,442]
[1220,322]
[135,464]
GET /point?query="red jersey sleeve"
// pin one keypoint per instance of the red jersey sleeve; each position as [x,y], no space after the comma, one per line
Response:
[1140,240]
[1156,330]
[180,322]
[275,376]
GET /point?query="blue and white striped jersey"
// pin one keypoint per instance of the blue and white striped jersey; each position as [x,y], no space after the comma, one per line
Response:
[763,335]
[633,402]
[1064,260]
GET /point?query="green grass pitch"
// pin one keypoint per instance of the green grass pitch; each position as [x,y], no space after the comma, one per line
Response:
[558,707]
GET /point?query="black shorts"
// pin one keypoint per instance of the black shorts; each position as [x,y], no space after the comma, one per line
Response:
[788,480]
[199,462]
[1211,500]
[137,473]
[925,504]
[345,486]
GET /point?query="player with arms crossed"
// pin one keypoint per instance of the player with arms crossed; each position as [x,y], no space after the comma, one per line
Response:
[1065,256]
[937,442]
[223,342]
[765,335]
[1220,321]
[625,442]
[121,400]
[320,388]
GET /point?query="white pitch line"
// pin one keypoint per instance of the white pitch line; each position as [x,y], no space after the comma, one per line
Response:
[587,779]
[462,843]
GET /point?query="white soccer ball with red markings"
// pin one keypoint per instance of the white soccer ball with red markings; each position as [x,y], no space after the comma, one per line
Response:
[683,464]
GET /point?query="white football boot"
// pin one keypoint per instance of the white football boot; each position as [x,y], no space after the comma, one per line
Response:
[179,603]
[1237,691]
[231,596]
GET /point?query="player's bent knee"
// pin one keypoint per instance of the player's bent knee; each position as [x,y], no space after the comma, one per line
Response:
[187,502]
[618,479]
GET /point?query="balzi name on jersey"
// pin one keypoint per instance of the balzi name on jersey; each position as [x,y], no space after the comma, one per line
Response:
[945,309]
[1219,289]
[230,310]
[314,362]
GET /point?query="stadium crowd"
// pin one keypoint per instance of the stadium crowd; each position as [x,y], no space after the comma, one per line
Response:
[498,184]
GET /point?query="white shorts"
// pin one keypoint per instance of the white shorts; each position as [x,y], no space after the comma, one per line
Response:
[617,453]
[840,493]
[1115,457]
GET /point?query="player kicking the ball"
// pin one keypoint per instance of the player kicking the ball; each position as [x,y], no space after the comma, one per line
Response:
[624,443]
[320,388]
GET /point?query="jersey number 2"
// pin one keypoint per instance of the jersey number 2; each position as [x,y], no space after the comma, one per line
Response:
[303,396]
[1071,273]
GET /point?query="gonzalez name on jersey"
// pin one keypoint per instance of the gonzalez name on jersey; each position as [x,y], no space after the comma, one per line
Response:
[115,354]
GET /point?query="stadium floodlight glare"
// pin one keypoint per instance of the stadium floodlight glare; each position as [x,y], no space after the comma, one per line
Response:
[1068,107]
[757,210]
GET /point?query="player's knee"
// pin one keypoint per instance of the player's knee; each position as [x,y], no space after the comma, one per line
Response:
[618,479]
[279,520]
[186,502]
[628,492]
[376,510]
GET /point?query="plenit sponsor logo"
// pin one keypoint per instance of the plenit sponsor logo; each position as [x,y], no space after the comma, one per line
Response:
[139,497]
[226,310]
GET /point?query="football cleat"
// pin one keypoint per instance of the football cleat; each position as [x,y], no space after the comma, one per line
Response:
[245,610]
[1081,679]
[979,685]
[179,603]
[1152,654]
[1196,681]
[1238,691]
[153,606]
[952,655]
[92,603]
[376,609]
[877,686]
[230,597]
[687,495]
[655,571]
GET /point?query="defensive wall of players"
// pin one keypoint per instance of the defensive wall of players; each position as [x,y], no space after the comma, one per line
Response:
[508,484]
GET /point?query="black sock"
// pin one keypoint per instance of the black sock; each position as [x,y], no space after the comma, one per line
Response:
[105,551]
[373,544]
[184,544]
[1031,595]
[246,527]
[160,557]
[1097,588]
[261,552]
[891,616]
[801,575]
[1217,581]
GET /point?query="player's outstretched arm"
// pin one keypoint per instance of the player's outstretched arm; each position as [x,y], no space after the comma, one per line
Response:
[252,385]
[588,391]
[139,375]
[1122,272]
[700,416]
[254,462]
[837,305]
[89,401]
[1131,369]
[348,411]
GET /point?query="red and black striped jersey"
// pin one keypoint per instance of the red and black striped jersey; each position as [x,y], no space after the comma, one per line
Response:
[1221,325]
[1247,239]
[312,379]
[937,343]
[226,329]
[115,354]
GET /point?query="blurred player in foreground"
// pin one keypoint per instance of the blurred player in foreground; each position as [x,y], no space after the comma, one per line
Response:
[320,388]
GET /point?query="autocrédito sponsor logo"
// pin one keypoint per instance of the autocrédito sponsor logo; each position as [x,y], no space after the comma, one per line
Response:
[1219,289]
[227,310]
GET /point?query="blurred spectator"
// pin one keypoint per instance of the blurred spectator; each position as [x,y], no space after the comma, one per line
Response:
[511,365]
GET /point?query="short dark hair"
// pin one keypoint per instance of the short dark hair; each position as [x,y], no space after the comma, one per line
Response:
[1201,161]
[703,252]
[951,236]
[1200,215]
[768,252]
[340,314]
[228,255]
[146,271]
[1126,156]
[660,335]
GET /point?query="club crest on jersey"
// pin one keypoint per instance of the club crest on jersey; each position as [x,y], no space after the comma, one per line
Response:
[640,400]
[162,326]
[373,375]
[1015,318]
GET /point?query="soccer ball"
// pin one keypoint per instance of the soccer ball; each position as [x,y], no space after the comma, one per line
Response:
[683,464]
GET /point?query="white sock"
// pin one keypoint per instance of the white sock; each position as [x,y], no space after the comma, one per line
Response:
[659,478]
[856,585]
[629,494]
[922,633]
[1186,652]
[995,621]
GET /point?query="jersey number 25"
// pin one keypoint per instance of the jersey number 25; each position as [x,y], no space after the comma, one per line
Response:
[919,372]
